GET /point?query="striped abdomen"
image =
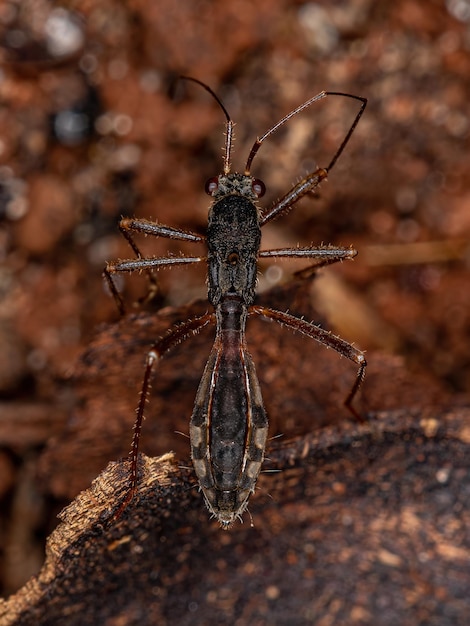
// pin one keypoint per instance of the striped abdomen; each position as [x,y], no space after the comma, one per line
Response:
[229,426]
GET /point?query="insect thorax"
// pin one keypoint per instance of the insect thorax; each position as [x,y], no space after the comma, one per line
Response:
[233,240]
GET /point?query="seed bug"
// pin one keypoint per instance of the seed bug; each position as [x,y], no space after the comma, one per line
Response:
[228,427]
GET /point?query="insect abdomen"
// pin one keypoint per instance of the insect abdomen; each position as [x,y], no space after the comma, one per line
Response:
[229,425]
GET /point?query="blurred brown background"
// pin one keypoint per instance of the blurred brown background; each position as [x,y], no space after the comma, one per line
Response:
[92,128]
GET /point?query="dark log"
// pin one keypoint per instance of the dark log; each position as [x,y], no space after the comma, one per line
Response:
[362,524]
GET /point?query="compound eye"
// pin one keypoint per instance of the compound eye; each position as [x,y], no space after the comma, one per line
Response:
[212,185]
[259,188]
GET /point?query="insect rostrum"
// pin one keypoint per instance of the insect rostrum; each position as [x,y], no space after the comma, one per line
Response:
[229,425]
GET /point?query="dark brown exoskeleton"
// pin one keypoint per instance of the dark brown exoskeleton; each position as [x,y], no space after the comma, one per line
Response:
[229,426]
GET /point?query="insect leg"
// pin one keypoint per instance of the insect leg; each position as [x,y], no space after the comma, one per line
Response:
[174,336]
[303,187]
[140,264]
[326,338]
[323,255]
[129,225]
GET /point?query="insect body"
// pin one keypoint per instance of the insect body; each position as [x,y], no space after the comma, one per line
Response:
[229,425]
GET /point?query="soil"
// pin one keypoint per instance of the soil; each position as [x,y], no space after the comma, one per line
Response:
[94,125]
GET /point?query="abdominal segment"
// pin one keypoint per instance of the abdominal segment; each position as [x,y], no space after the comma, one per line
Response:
[228,428]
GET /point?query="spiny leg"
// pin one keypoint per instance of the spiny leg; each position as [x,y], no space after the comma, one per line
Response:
[147,227]
[302,188]
[140,264]
[175,336]
[127,226]
[323,255]
[326,338]
[114,291]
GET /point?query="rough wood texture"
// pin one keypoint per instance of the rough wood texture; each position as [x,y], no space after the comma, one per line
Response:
[361,525]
